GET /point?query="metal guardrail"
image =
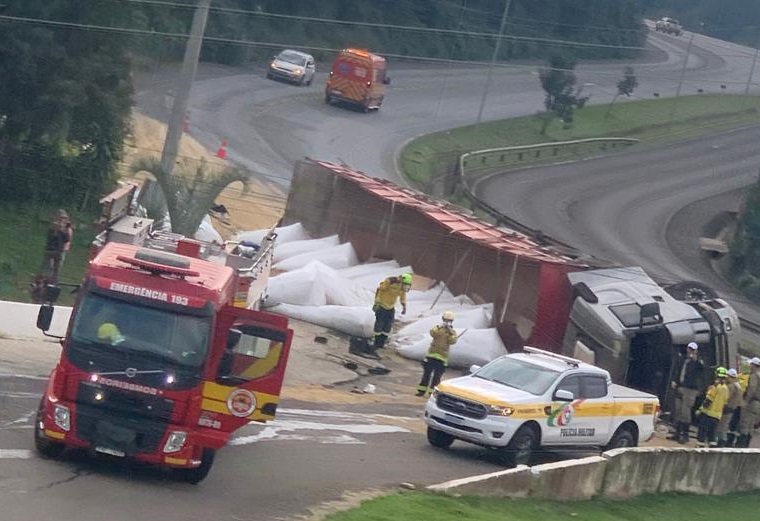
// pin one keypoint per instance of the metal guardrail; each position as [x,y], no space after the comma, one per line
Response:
[484,160]
[490,159]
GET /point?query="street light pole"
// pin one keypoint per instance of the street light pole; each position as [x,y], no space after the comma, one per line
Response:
[752,69]
[182,91]
[495,54]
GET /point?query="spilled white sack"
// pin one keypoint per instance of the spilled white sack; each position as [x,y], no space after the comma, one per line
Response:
[341,256]
[285,234]
[291,249]
[476,346]
[354,321]
[316,285]
[207,233]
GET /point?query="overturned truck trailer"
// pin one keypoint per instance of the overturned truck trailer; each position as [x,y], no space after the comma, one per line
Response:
[625,322]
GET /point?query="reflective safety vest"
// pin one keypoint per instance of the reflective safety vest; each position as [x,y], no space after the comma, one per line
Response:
[443,338]
[717,396]
[388,291]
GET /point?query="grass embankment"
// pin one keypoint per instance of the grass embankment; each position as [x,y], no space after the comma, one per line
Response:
[22,247]
[655,121]
[670,507]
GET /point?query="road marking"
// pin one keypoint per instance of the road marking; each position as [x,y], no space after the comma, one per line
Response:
[23,376]
[15,454]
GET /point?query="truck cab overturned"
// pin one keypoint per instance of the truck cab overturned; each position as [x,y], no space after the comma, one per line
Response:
[158,364]
[623,321]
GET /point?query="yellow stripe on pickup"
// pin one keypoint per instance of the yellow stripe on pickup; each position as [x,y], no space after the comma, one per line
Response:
[537,411]
[215,400]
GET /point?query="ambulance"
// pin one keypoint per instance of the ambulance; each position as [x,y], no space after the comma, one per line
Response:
[357,78]
[523,402]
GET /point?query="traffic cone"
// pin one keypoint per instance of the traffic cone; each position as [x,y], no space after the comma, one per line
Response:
[186,124]
[221,153]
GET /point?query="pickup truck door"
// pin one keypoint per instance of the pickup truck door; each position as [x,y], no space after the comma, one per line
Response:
[584,421]
[247,368]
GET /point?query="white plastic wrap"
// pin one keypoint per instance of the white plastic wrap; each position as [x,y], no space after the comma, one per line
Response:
[465,317]
[291,249]
[285,234]
[354,321]
[316,285]
[341,256]
[206,232]
[476,346]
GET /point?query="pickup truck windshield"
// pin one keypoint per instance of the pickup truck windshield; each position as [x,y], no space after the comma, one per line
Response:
[154,333]
[519,374]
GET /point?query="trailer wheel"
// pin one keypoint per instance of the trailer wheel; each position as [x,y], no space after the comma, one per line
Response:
[439,439]
[691,291]
[44,446]
[198,474]
[522,446]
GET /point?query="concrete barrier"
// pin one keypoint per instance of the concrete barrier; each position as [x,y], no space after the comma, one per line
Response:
[569,480]
[20,320]
[622,473]
[515,483]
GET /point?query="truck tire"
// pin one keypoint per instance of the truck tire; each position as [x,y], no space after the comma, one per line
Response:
[44,447]
[439,439]
[691,291]
[623,437]
[522,446]
[198,474]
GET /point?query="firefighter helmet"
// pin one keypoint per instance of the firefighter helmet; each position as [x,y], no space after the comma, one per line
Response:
[721,372]
[406,278]
[448,316]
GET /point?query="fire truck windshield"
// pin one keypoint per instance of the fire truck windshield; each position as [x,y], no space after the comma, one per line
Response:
[128,328]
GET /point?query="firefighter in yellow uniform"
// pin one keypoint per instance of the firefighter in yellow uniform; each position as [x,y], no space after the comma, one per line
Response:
[437,357]
[712,409]
[388,291]
[750,413]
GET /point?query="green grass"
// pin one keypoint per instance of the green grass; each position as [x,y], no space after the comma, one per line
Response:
[671,507]
[22,246]
[654,121]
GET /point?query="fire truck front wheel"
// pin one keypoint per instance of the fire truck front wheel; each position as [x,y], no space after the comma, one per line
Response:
[44,446]
[198,474]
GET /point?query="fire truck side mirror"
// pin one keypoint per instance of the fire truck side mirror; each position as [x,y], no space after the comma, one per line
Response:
[52,293]
[45,317]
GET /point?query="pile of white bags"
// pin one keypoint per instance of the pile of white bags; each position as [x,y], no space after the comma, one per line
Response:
[323,283]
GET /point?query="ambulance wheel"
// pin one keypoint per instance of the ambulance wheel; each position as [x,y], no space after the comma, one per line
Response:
[439,439]
[43,446]
[522,446]
[623,437]
[199,473]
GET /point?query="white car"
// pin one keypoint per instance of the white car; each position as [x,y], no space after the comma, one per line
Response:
[521,402]
[294,66]
[668,25]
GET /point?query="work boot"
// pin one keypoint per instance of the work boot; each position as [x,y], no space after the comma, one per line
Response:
[676,434]
[683,436]
[730,439]
[420,393]
[742,441]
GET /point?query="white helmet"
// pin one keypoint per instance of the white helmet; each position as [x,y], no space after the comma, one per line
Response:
[448,315]
[755,361]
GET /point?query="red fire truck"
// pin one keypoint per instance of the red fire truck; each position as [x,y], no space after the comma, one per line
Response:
[158,364]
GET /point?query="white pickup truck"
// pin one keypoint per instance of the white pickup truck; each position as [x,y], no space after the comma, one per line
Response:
[521,402]
[668,25]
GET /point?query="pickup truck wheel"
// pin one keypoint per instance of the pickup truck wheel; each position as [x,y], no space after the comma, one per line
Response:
[198,474]
[439,439]
[45,447]
[522,447]
[623,437]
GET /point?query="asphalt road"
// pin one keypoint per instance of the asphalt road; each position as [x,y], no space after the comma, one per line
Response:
[269,125]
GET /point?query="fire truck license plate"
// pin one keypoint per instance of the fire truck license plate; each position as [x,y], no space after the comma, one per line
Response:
[112,452]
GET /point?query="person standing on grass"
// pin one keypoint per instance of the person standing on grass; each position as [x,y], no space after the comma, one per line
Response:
[57,236]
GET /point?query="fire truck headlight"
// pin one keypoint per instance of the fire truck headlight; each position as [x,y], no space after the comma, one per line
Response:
[175,442]
[62,417]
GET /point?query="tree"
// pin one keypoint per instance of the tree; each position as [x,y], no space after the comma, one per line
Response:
[625,87]
[190,191]
[562,98]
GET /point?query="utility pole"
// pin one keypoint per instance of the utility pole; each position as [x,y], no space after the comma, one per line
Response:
[182,90]
[495,54]
[752,69]
[683,74]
